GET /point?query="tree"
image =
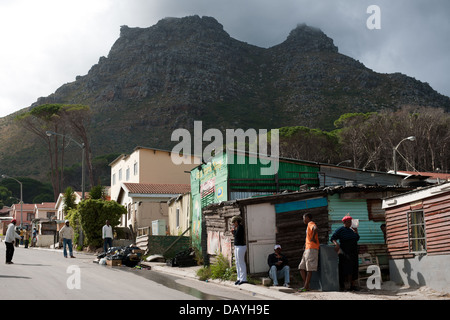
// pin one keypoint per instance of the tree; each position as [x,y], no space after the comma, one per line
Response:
[34,191]
[97,193]
[39,120]
[93,214]
[76,118]
[309,144]
[370,138]
[63,120]
[5,197]
[69,200]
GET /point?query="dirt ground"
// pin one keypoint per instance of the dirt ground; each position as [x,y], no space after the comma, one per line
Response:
[389,291]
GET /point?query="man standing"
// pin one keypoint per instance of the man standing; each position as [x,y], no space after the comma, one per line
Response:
[34,238]
[310,257]
[240,248]
[66,234]
[347,249]
[10,238]
[107,235]
[279,268]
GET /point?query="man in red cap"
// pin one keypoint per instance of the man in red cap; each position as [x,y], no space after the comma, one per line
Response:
[347,249]
[10,238]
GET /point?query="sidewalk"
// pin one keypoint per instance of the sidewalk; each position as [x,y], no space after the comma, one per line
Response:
[389,290]
[278,293]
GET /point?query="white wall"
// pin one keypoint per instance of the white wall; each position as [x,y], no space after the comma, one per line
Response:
[430,271]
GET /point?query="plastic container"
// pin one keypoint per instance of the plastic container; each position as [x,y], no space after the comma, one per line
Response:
[355,223]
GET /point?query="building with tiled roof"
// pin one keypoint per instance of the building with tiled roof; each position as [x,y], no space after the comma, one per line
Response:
[23,213]
[157,189]
[145,180]
[45,210]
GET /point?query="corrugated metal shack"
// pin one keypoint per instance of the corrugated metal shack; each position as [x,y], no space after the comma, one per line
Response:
[273,205]
[418,236]
[332,175]
[278,219]
[217,231]
[235,175]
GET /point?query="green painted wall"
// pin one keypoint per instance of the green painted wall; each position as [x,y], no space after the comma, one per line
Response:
[223,175]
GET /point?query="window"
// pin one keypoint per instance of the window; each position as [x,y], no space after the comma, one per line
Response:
[135,168]
[416,232]
[120,174]
[178,218]
[127,174]
[114,179]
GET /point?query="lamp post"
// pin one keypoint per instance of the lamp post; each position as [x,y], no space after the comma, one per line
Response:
[345,161]
[81,145]
[394,152]
[21,198]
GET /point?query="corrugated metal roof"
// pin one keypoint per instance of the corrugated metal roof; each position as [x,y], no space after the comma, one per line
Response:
[152,188]
[301,205]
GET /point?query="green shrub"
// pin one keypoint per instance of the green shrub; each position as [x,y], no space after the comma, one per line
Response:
[221,269]
[93,214]
[204,273]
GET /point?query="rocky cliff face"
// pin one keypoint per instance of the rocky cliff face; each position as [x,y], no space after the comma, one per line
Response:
[164,77]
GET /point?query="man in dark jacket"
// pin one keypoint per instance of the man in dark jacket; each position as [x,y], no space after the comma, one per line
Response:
[278,264]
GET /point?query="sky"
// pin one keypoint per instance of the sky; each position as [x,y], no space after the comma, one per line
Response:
[47,43]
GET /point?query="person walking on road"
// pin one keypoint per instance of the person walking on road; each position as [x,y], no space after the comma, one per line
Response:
[107,235]
[66,234]
[10,239]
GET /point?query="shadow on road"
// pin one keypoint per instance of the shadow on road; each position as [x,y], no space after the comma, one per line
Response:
[19,277]
[33,264]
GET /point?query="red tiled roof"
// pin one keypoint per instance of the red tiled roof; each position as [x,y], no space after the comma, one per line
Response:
[429,174]
[45,205]
[25,206]
[148,188]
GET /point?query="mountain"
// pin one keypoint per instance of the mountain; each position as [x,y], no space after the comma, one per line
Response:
[158,79]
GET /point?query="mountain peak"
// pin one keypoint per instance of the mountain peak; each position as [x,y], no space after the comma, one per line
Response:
[178,29]
[305,38]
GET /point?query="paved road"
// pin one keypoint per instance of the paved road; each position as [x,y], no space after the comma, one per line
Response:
[44,274]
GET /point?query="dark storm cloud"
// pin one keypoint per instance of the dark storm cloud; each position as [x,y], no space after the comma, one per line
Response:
[414,38]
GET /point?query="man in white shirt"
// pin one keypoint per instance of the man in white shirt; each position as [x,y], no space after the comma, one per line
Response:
[107,235]
[66,234]
[10,238]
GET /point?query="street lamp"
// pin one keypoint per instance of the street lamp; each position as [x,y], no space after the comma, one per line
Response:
[394,152]
[345,161]
[4,176]
[82,146]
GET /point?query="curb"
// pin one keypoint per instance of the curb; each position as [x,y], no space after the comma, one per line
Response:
[270,292]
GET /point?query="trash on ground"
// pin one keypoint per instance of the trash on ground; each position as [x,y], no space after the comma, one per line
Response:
[184,258]
[155,258]
[115,256]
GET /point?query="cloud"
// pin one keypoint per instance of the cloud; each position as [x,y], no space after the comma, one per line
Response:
[47,43]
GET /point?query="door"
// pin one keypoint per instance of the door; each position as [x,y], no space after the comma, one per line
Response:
[261,228]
